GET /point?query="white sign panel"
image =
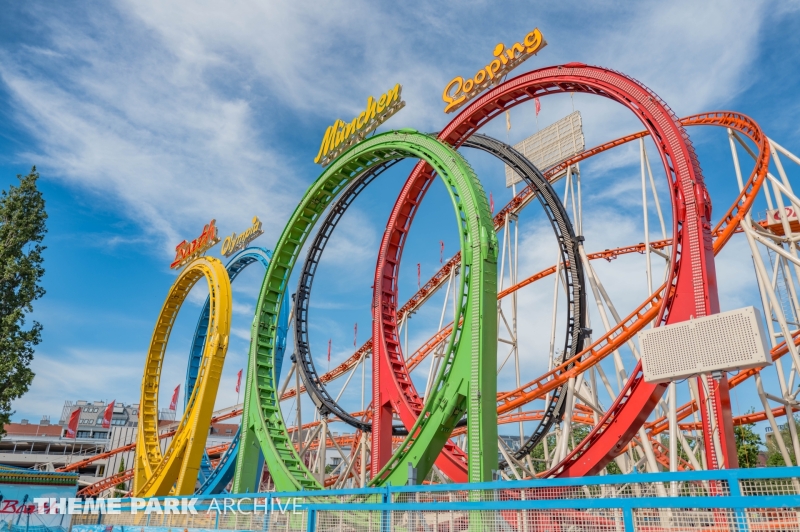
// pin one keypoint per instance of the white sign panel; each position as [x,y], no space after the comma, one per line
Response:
[774,215]
[728,341]
[552,145]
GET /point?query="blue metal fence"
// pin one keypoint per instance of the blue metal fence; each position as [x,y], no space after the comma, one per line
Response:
[750,500]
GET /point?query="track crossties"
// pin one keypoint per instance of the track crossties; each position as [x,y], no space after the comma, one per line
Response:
[175,472]
[691,286]
[262,422]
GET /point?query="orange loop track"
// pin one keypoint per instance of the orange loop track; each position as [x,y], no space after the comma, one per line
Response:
[576,462]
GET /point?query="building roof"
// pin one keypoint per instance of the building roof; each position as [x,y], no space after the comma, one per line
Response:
[15,475]
[28,429]
[223,428]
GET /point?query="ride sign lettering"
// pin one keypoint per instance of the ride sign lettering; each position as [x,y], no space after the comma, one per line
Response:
[459,91]
[775,220]
[235,242]
[341,135]
[186,251]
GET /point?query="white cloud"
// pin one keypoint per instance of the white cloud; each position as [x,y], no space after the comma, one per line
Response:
[242,334]
[174,112]
[353,244]
[133,133]
[65,377]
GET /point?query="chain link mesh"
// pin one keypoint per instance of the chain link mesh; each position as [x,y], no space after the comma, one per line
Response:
[286,513]
[604,491]
[717,520]
[770,486]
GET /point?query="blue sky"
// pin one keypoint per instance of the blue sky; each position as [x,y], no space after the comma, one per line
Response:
[147,118]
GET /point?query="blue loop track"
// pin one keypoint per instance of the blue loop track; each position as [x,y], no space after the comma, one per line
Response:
[213,480]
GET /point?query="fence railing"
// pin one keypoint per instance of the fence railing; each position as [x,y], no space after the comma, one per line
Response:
[752,500]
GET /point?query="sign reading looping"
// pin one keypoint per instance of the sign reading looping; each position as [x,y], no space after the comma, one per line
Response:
[459,91]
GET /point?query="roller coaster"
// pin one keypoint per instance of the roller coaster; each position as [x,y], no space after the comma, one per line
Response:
[448,430]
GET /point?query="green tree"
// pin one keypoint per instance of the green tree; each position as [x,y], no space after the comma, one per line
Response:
[774,456]
[578,434]
[120,488]
[22,229]
[748,445]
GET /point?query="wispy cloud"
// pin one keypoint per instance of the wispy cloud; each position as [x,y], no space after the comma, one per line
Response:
[173,113]
[65,377]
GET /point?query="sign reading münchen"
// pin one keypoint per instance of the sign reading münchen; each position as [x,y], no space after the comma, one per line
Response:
[235,242]
[341,135]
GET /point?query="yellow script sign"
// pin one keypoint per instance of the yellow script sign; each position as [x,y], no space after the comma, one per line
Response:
[458,91]
[341,135]
[234,243]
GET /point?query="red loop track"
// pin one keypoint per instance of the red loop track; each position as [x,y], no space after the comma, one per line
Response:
[692,280]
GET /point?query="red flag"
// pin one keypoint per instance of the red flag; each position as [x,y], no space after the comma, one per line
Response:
[72,426]
[238,381]
[441,251]
[418,274]
[329,349]
[107,415]
[355,333]
[538,105]
[174,403]
[491,202]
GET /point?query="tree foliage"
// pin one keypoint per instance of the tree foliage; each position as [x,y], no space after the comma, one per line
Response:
[22,230]
[748,445]
[774,455]
[120,488]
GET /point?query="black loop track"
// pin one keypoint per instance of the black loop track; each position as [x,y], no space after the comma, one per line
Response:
[323,400]
[573,277]
[572,267]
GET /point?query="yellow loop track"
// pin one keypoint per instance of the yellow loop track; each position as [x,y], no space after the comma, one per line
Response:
[175,472]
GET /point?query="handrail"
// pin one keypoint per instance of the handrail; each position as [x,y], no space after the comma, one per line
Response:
[546,501]
[560,482]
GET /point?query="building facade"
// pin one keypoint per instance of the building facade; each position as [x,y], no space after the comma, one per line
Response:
[45,446]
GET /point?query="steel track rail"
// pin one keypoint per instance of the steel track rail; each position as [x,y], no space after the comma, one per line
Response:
[662,423]
[567,242]
[736,121]
[262,421]
[322,399]
[573,270]
[175,472]
[630,325]
[400,389]
[625,330]
[132,446]
[213,480]
[691,288]
[583,417]
[514,206]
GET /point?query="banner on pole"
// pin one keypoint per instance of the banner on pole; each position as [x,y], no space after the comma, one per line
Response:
[109,411]
[72,426]
[173,405]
